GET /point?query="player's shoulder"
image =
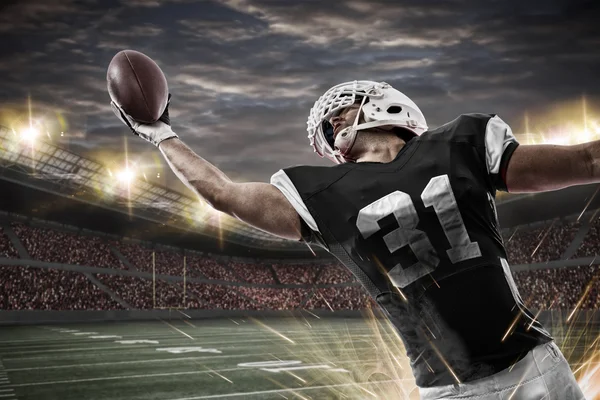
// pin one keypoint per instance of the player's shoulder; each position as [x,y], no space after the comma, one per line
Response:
[310,179]
[464,128]
[467,123]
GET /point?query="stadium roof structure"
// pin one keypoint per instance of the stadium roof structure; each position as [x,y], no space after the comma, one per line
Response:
[50,168]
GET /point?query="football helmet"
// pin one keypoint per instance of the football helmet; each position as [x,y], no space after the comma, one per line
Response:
[381,105]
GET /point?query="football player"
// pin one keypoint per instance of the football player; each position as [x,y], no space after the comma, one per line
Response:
[411,212]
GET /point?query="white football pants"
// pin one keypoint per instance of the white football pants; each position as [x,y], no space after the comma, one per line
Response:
[543,374]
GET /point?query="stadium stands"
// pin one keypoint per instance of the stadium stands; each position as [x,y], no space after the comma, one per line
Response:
[255,286]
[223,297]
[253,273]
[339,298]
[6,248]
[276,299]
[334,274]
[137,292]
[560,288]
[539,245]
[211,269]
[26,288]
[591,243]
[296,274]
[60,247]
[165,262]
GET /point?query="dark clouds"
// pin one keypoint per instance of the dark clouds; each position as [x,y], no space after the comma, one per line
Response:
[244,73]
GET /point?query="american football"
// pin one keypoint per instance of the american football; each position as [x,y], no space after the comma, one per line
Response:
[138,85]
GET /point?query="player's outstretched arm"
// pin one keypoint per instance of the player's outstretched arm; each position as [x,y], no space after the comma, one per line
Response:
[261,205]
[546,167]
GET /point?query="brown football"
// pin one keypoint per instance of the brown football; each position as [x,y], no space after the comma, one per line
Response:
[137,84]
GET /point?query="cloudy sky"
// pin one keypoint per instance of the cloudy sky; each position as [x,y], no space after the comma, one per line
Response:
[244,73]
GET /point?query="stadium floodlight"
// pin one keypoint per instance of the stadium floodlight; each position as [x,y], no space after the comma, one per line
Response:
[126,175]
[30,134]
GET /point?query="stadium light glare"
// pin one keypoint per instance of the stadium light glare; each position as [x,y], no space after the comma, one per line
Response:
[126,175]
[30,134]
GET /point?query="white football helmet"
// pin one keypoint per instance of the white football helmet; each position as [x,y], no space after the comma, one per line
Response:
[381,105]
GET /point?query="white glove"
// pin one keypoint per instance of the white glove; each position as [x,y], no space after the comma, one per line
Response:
[153,133]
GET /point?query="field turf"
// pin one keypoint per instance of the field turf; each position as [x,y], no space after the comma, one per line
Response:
[181,359]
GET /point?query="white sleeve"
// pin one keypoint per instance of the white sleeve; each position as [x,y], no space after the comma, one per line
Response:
[282,182]
[498,136]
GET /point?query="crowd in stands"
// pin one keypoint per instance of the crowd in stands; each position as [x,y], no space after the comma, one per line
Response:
[222,297]
[140,258]
[296,274]
[51,289]
[338,298]
[55,246]
[27,288]
[253,273]
[7,250]
[275,299]
[204,267]
[140,293]
[538,245]
[332,274]
[590,246]
[560,288]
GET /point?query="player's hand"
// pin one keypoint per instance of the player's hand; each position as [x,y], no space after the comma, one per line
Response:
[153,133]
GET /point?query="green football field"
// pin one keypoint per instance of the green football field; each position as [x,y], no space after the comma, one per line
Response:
[181,359]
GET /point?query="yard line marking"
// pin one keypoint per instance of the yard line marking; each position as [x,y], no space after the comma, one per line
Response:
[166,336]
[181,312]
[58,347]
[107,337]
[190,324]
[84,340]
[112,378]
[205,333]
[216,396]
[178,330]
[137,341]
[94,355]
[7,390]
[160,360]
[7,395]
[7,356]
[143,376]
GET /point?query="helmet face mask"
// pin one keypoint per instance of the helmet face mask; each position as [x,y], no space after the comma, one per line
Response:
[327,130]
[380,105]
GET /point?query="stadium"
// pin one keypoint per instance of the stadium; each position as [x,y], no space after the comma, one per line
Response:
[117,288]
[126,274]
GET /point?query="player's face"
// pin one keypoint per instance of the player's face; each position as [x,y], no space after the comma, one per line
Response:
[344,119]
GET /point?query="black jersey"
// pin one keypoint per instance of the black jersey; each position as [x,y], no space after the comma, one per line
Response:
[421,234]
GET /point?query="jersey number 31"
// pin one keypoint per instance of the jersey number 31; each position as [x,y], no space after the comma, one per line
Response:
[437,194]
